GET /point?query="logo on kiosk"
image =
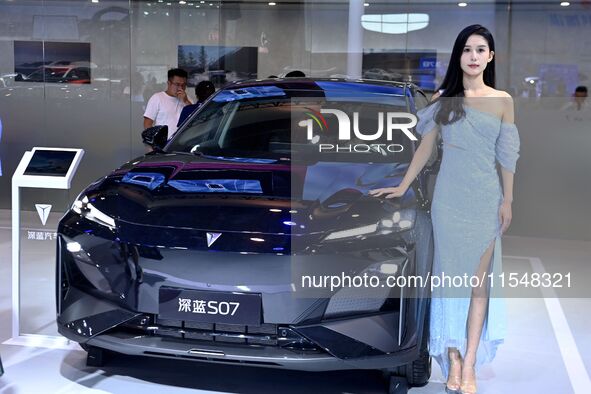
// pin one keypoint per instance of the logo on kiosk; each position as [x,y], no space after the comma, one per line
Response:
[211,238]
[43,211]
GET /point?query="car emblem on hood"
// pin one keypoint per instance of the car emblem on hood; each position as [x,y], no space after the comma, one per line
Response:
[211,238]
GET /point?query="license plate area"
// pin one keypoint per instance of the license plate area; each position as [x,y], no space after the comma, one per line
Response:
[210,306]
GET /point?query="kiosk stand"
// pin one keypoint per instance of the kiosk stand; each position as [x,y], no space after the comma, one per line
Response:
[46,168]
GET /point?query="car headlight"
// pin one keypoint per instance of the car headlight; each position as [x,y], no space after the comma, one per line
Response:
[366,299]
[84,207]
[401,220]
[352,232]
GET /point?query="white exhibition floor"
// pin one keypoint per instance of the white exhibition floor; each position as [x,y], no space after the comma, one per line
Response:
[547,349]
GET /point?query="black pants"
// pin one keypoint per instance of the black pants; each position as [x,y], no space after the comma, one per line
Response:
[1,369]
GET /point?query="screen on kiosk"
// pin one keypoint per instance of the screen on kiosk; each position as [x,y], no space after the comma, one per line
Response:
[50,163]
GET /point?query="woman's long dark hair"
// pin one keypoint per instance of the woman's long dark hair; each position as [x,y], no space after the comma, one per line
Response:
[452,85]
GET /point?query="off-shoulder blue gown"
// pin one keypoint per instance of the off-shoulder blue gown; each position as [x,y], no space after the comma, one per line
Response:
[465,214]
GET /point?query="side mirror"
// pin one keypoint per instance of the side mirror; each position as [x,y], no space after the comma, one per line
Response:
[155,136]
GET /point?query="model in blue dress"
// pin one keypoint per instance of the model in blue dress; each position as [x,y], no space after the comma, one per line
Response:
[471,206]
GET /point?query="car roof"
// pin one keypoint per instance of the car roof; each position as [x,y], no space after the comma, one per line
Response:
[366,85]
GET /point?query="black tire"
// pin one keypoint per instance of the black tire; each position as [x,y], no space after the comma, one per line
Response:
[96,356]
[397,385]
[418,372]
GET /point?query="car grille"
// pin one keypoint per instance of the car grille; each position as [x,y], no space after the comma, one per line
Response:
[264,335]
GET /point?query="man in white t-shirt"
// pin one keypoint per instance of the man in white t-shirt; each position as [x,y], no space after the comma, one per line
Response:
[164,108]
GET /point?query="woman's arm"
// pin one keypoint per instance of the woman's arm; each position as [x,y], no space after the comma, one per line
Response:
[505,211]
[420,158]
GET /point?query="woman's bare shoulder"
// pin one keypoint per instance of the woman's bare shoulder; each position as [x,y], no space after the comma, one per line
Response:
[498,93]
[506,106]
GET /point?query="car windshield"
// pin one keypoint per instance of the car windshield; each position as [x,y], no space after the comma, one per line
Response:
[287,127]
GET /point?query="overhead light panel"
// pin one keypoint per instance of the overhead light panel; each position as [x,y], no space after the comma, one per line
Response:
[394,23]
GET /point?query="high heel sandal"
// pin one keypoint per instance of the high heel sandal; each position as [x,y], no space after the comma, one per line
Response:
[468,387]
[453,383]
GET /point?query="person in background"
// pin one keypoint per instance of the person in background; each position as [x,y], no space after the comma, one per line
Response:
[295,74]
[579,101]
[203,90]
[164,108]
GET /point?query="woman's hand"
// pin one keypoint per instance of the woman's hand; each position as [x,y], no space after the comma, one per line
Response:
[389,192]
[505,215]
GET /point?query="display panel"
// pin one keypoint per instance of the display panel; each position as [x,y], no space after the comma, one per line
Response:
[52,62]
[50,163]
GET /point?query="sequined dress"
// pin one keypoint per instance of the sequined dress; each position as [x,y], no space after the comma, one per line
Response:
[465,214]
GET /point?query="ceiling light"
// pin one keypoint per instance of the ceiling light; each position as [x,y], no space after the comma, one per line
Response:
[366,4]
[394,23]
[271,3]
[564,4]
[462,4]
[182,2]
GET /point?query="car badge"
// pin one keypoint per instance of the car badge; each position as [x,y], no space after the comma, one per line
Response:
[211,238]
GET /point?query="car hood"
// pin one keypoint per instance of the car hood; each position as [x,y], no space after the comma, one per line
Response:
[234,194]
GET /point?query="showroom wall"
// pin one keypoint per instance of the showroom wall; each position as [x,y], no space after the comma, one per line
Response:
[133,43]
[93,116]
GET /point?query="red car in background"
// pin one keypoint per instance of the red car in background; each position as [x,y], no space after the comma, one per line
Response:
[60,72]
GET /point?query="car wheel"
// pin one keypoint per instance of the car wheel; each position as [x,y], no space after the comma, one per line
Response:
[418,372]
[397,385]
[96,356]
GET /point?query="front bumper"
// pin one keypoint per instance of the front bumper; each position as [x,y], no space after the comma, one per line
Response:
[108,298]
[168,342]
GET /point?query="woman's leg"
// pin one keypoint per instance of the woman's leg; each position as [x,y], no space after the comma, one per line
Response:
[476,316]
[454,375]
